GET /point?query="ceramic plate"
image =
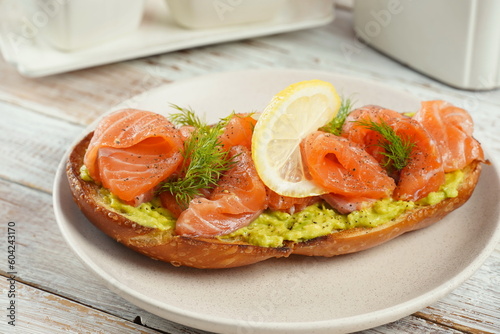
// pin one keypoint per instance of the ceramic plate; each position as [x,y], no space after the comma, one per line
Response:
[299,294]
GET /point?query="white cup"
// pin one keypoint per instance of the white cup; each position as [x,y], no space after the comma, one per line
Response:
[75,24]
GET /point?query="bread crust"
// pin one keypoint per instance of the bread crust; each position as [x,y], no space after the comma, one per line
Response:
[214,253]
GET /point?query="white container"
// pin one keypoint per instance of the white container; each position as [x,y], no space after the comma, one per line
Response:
[75,24]
[196,14]
[454,41]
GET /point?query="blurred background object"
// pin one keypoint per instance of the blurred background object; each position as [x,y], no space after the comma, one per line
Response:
[215,13]
[454,41]
[74,24]
[45,37]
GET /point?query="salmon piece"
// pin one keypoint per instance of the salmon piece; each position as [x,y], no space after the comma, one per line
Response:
[343,168]
[277,202]
[451,127]
[347,204]
[424,172]
[238,131]
[360,135]
[238,199]
[169,202]
[132,151]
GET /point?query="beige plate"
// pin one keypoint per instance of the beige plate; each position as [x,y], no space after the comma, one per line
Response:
[299,294]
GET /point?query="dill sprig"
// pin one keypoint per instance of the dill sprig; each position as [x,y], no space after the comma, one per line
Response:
[397,149]
[204,159]
[186,117]
[335,125]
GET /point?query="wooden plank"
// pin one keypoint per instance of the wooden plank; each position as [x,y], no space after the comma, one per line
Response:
[475,306]
[79,96]
[45,261]
[31,145]
[42,312]
[411,325]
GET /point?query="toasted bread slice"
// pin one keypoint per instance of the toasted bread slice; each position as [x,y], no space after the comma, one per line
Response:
[157,244]
[196,252]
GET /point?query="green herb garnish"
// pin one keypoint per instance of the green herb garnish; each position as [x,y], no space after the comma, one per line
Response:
[335,125]
[204,159]
[397,149]
[186,117]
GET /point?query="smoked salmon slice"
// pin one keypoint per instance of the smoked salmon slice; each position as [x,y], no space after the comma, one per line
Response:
[238,199]
[347,204]
[423,174]
[451,127]
[277,202]
[343,168]
[238,131]
[132,151]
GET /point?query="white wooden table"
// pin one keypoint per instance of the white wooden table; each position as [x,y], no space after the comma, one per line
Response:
[55,293]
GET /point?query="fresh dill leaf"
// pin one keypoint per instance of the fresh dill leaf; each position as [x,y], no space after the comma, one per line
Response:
[186,117]
[335,125]
[204,159]
[397,149]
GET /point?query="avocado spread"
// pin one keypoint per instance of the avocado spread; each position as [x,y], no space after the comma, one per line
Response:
[448,190]
[271,229]
[149,214]
[84,174]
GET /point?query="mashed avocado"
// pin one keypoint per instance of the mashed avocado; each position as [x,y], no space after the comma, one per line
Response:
[84,174]
[150,214]
[271,229]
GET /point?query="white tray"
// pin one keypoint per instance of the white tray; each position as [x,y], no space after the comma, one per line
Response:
[23,48]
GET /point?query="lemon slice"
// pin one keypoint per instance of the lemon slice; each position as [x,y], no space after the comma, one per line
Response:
[292,114]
